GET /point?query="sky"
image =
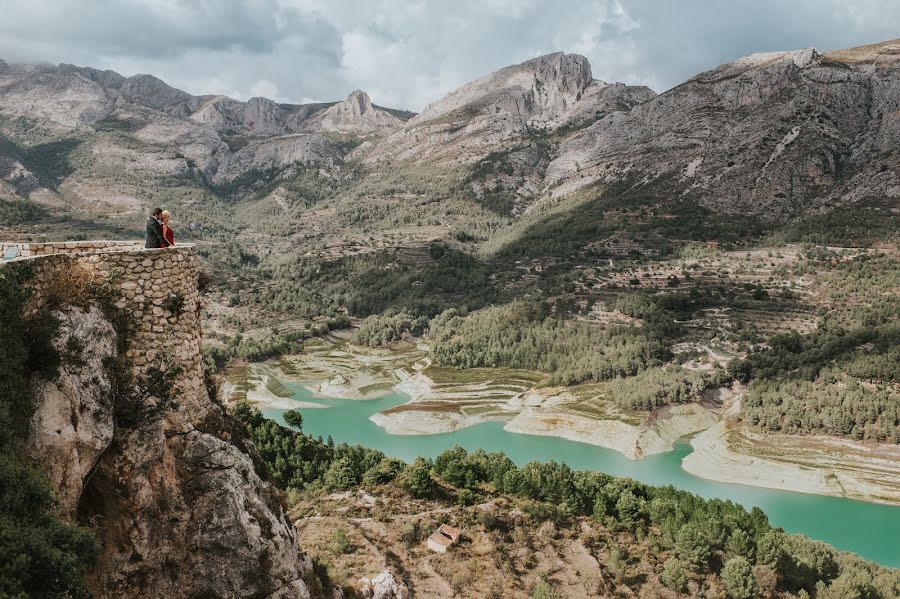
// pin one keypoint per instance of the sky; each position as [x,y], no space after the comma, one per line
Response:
[407,53]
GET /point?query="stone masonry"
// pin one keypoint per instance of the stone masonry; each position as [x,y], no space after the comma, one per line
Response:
[151,283]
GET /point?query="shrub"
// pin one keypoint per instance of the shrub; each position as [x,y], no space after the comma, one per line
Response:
[340,542]
[383,472]
[544,590]
[136,401]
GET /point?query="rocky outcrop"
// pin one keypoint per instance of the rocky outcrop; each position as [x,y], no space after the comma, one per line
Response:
[178,509]
[15,177]
[355,115]
[262,115]
[499,111]
[72,426]
[61,99]
[267,156]
[539,91]
[149,91]
[383,586]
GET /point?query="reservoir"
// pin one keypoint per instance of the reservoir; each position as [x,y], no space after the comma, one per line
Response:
[869,529]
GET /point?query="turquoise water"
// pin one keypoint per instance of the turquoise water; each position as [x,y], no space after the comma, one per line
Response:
[868,529]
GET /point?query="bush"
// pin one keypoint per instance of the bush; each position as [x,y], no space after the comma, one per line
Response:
[136,401]
[544,590]
[340,542]
[383,472]
[341,475]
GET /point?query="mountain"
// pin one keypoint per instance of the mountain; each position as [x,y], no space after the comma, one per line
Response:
[68,100]
[773,135]
[583,259]
[778,137]
[354,115]
[545,93]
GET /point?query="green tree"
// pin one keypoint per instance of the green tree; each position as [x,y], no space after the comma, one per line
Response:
[341,474]
[739,543]
[737,578]
[383,472]
[417,479]
[693,548]
[294,418]
[629,508]
[674,575]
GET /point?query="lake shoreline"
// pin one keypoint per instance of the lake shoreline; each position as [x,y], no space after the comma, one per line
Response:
[732,455]
[719,453]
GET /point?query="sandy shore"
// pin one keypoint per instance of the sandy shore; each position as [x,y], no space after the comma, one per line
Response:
[632,441]
[261,397]
[422,422]
[818,465]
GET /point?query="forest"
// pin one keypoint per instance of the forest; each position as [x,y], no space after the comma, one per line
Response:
[657,387]
[525,335]
[693,537]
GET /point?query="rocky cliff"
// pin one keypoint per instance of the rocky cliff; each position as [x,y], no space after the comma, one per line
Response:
[355,115]
[773,135]
[501,109]
[144,457]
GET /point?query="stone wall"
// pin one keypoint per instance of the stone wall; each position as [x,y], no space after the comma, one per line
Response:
[26,250]
[156,288]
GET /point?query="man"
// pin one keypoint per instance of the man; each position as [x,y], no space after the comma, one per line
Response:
[155,237]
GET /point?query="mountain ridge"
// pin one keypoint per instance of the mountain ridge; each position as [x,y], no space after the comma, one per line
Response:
[774,135]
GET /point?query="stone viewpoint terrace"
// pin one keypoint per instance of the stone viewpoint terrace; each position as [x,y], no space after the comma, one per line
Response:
[156,289]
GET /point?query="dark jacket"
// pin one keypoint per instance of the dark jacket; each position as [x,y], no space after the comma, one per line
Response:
[154,234]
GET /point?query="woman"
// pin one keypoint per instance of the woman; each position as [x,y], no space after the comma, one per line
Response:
[168,235]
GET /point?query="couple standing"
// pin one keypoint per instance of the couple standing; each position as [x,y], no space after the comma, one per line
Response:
[159,235]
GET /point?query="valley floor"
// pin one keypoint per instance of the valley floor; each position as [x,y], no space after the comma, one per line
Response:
[444,400]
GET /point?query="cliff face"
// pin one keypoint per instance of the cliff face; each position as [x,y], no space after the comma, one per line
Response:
[773,134]
[178,509]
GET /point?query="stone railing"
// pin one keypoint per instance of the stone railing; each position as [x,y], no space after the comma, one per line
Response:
[28,249]
[156,289]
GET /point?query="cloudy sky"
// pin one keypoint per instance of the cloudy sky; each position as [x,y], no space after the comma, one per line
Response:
[406,53]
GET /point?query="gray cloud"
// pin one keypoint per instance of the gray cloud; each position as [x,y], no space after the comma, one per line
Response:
[406,53]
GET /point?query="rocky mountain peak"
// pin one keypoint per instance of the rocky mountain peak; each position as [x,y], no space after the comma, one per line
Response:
[542,89]
[152,92]
[355,115]
[358,103]
[262,115]
[107,78]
